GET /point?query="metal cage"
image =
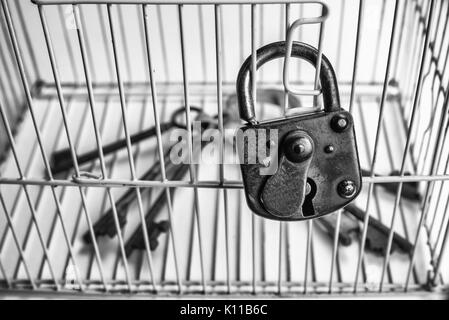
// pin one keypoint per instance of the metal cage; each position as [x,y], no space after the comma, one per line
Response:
[81,73]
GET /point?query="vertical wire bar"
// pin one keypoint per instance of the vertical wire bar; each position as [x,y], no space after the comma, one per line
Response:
[8,218]
[30,51]
[215,232]
[308,249]
[378,38]
[436,60]
[415,58]
[402,72]
[104,32]
[430,129]
[7,67]
[17,243]
[440,230]
[135,155]
[240,206]
[191,242]
[316,85]
[93,255]
[124,38]
[401,38]
[39,202]
[376,143]
[64,115]
[262,115]
[67,43]
[437,156]
[90,63]
[334,250]
[437,153]
[300,36]
[5,276]
[28,167]
[203,42]
[219,59]
[407,145]
[352,95]
[239,237]
[340,36]
[146,17]
[189,142]
[138,151]
[29,100]
[356,54]
[429,189]
[38,205]
[12,72]
[254,31]
[163,43]
[123,107]
[364,126]
[279,280]
[88,78]
[9,99]
[282,229]
[287,225]
[167,243]
[442,251]
[432,46]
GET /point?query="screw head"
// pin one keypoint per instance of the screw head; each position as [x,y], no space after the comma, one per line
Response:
[329,149]
[340,123]
[347,189]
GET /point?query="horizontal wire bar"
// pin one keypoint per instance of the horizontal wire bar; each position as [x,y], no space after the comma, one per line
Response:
[228,184]
[173,2]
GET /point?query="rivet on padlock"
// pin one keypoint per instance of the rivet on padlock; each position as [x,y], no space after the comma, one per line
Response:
[318,169]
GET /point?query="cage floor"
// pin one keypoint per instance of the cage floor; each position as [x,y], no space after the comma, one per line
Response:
[235,244]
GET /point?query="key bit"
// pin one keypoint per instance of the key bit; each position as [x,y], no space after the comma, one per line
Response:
[377,234]
[348,226]
[409,189]
[62,160]
[106,225]
[154,229]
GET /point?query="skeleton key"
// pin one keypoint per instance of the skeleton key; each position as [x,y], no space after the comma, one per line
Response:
[377,234]
[62,160]
[348,227]
[155,229]
[106,226]
[409,189]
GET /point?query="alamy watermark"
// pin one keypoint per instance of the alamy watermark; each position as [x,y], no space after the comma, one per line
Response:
[249,146]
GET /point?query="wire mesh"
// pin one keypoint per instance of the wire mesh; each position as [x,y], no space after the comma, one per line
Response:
[81,74]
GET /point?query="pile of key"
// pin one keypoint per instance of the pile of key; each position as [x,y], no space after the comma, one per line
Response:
[351,218]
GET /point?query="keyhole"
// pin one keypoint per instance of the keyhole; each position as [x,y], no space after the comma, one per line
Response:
[307,207]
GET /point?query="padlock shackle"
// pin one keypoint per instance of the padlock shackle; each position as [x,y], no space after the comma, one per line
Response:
[331,96]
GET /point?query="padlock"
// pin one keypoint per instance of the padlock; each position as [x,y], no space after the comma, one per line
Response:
[311,167]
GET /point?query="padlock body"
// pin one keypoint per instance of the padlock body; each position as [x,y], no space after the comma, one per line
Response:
[333,170]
